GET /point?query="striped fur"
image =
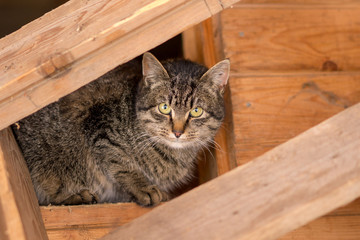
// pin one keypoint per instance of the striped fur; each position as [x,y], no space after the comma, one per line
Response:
[108,141]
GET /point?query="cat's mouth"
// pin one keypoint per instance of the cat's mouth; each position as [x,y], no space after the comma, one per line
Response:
[176,143]
[179,143]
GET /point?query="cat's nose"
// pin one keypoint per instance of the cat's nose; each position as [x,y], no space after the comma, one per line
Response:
[178,133]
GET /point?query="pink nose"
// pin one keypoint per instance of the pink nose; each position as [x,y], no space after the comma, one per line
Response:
[177,134]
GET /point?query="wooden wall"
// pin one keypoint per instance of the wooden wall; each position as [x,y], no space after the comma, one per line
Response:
[293,65]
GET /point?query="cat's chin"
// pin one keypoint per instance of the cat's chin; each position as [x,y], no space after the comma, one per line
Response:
[178,144]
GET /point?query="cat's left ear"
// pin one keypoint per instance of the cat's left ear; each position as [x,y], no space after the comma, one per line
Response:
[219,74]
[152,69]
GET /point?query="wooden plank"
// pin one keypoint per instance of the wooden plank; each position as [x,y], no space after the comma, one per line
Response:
[19,210]
[203,44]
[351,209]
[193,49]
[328,228]
[66,48]
[213,52]
[297,3]
[340,224]
[88,221]
[269,110]
[269,38]
[93,222]
[283,189]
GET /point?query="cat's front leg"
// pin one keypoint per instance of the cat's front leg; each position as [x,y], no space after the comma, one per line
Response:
[144,193]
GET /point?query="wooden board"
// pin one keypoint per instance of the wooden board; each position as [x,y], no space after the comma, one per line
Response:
[81,40]
[283,189]
[19,211]
[269,110]
[328,228]
[290,38]
[298,3]
[203,44]
[93,222]
[88,221]
[341,224]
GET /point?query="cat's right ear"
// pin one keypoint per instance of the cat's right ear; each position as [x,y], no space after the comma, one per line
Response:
[152,69]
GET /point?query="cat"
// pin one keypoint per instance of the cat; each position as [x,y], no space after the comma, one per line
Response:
[131,135]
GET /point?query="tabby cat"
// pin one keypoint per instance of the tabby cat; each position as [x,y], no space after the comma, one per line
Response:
[131,135]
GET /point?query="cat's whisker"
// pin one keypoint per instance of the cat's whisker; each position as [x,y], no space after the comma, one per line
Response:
[216,146]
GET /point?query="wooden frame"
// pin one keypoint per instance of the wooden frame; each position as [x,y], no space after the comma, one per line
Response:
[267,197]
[47,71]
[19,210]
[40,61]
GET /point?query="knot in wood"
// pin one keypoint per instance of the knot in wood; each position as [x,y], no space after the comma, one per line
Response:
[329,66]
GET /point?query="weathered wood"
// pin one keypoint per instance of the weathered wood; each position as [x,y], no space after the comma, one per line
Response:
[203,44]
[270,109]
[213,52]
[328,228]
[297,3]
[272,38]
[341,224]
[92,221]
[81,40]
[283,189]
[19,210]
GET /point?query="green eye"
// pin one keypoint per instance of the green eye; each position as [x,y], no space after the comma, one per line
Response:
[164,108]
[196,112]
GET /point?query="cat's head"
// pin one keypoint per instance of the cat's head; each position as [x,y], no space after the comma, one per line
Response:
[180,103]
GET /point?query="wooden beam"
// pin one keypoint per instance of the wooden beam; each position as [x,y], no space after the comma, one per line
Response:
[213,53]
[20,217]
[302,179]
[203,44]
[92,221]
[81,40]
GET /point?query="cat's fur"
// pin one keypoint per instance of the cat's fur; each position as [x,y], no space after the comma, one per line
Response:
[108,141]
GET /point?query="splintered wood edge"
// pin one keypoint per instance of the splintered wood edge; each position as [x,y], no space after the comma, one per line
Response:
[289,186]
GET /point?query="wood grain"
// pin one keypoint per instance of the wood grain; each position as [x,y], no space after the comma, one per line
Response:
[269,110]
[328,228]
[94,221]
[20,214]
[273,39]
[283,189]
[66,48]
[213,53]
[88,221]
[203,44]
[297,3]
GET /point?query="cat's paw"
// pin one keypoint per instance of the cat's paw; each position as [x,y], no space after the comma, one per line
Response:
[149,196]
[83,197]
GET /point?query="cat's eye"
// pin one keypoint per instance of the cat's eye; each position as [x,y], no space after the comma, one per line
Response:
[164,108]
[196,112]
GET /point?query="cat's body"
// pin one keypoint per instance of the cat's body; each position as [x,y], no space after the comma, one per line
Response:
[130,135]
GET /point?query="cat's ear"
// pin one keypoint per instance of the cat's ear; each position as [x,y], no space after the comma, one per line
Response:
[218,74]
[152,69]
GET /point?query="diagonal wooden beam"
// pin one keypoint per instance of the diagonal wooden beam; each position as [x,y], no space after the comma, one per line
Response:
[300,180]
[81,40]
